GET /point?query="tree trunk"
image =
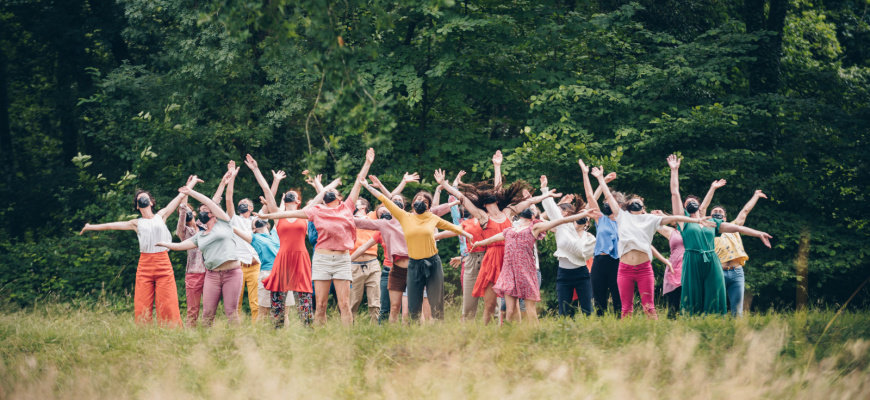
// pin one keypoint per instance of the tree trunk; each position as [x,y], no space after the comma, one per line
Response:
[801,265]
[6,155]
[764,71]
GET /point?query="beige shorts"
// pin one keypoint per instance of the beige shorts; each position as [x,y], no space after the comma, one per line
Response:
[327,267]
[264,296]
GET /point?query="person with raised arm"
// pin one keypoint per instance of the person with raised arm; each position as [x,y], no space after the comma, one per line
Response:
[605,262]
[366,269]
[155,279]
[671,284]
[703,281]
[194,276]
[636,229]
[336,234]
[248,257]
[493,206]
[223,278]
[424,264]
[729,248]
[574,245]
[519,278]
[470,259]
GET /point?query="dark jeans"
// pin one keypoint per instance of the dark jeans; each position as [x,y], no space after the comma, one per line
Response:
[569,280]
[384,312]
[425,273]
[604,269]
[673,300]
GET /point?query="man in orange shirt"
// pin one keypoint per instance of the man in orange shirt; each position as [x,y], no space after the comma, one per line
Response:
[365,268]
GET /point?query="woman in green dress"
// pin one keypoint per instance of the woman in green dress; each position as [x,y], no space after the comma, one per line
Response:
[703,282]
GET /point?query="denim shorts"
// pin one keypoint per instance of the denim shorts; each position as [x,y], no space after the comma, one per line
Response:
[327,267]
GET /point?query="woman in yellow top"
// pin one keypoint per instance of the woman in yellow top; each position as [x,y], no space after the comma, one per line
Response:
[729,247]
[424,264]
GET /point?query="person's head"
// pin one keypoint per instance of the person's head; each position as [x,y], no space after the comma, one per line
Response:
[692,204]
[205,215]
[634,204]
[190,218]
[620,199]
[382,213]
[483,194]
[332,197]
[245,207]
[142,200]
[529,213]
[362,207]
[292,197]
[261,226]
[569,209]
[463,212]
[400,201]
[718,212]
[422,202]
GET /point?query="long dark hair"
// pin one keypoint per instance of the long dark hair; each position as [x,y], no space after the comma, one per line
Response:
[575,206]
[504,196]
[136,199]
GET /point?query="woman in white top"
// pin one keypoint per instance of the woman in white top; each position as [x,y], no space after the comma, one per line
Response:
[636,229]
[155,279]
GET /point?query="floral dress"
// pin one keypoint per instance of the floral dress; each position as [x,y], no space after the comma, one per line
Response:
[519,277]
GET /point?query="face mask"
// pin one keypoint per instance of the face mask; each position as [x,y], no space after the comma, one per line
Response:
[582,221]
[143,202]
[635,206]
[259,224]
[692,207]
[290,197]
[387,216]
[605,209]
[189,216]
[466,214]
[203,217]
[399,204]
[420,206]
[718,216]
[243,208]
[329,197]
[527,213]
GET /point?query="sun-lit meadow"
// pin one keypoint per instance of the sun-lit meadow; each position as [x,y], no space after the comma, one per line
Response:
[63,351]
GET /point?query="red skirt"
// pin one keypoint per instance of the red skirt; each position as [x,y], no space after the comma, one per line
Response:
[290,272]
[490,269]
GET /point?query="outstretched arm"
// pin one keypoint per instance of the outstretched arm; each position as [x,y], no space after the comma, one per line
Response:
[130,225]
[220,189]
[732,228]
[164,213]
[185,245]
[182,224]
[268,195]
[676,199]
[212,206]
[244,235]
[436,198]
[709,197]
[496,164]
[741,218]
[362,249]
[231,209]
[354,192]
[375,192]
[405,179]
[481,215]
[587,187]
[486,242]
[661,258]
[277,177]
[531,200]
[546,226]
[682,219]
[614,205]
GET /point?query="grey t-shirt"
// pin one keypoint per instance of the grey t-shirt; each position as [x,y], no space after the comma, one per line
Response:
[217,246]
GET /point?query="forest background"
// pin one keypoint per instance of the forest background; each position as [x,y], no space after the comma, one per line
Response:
[99,97]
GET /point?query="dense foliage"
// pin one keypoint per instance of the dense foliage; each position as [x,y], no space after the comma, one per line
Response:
[100,97]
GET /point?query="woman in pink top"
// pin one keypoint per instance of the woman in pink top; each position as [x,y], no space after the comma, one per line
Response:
[672,287]
[336,234]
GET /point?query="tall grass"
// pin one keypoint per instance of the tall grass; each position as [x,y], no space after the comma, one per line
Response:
[65,352]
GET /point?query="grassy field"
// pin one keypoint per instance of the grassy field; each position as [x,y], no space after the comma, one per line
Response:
[62,351]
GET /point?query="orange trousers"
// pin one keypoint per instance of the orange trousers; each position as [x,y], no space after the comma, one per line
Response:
[155,282]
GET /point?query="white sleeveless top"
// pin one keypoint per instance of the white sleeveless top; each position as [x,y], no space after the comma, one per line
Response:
[152,231]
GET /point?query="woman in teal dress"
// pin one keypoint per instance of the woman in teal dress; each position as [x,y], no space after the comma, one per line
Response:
[703,282]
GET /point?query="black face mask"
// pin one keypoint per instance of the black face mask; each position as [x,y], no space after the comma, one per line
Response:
[718,216]
[143,202]
[290,197]
[203,217]
[692,207]
[188,216]
[399,204]
[527,213]
[466,214]
[420,206]
[582,221]
[387,216]
[260,224]
[634,206]
[605,209]
[243,208]
[329,197]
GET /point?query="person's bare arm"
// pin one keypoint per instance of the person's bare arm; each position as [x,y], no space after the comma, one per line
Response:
[212,206]
[364,171]
[600,189]
[741,218]
[481,215]
[587,187]
[244,235]
[218,194]
[231,208]
[436,198]
[445,235]
[277,177]
[496,238]
[708,198]
[614,205]
[661,258]
[407,178]
[682,219]
[497,158]
[164,213]
[726,227]
[676,199]
[528,202]
[130,225]
[268,195]
[547,225]
[362,249]
[185,245]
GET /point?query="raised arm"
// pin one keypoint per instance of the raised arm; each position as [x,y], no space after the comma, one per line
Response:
[244,235]
[277,177]
[587,187]
[726,227]
[375,192]
[319,198]
[182,223]
[164,213]
[405,180]
[481,215]
[486,242]
[614,205]
[531,200]
[709,197]
[436,198]
[220,189]
[231,208]
[676,199]
[496,165]
[268,195]
[212,206]
[354,192]
[741,218]
[550,207]
[607,178]
[547,225]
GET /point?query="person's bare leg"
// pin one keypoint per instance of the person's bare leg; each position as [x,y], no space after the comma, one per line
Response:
[321,298]
[265,314]
[395,306]
[511,308]
[489,304]
[342,291]
[531,311]
[426,315]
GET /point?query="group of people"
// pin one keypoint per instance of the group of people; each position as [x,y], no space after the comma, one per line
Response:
[498,226]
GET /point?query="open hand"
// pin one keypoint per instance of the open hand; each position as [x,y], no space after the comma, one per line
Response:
[583,166]
[455,262]
[597,172]
[88,227]
[370,155]
[611,176]
[251,162]
[759,193]
[765,238]
[439,176]
[458,179]
[718,184]
[567,199]
[673,161]
[497,158]
[278,176]
[377,182]
[543,181]
[408,178]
